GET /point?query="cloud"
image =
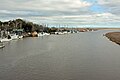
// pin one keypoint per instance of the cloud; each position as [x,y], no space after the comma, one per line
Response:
[44,4]
[44,7]
[79,12]
[108,1]
[112,6]
[104,18]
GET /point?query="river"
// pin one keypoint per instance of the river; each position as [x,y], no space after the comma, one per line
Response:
[81,56]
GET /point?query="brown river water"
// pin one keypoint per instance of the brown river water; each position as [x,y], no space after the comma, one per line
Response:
[80,56]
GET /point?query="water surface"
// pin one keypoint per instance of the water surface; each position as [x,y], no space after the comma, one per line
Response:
[82,56]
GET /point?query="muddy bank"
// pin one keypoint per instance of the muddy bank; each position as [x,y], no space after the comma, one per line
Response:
[114,36]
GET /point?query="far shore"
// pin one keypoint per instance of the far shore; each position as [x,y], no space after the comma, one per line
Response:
[114,37]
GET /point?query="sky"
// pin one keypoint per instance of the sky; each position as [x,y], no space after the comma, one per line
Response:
[69,13]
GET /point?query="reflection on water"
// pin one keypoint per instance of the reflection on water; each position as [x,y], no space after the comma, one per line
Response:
[82,56]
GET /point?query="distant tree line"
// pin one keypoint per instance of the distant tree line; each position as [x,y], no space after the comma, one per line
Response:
[27,26]
[22,24]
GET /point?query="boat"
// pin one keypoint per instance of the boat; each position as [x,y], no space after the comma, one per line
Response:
[40,34]
[46,34]
[20,37]
[5,40]
[14,36]
[9,38]
[1,45]
[59,33]
[43,34]
[65,32]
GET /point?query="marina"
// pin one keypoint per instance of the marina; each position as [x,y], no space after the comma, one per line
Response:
[59,40]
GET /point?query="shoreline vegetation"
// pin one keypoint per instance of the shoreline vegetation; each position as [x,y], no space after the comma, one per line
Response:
[17,29]
[30,29]
[114,37]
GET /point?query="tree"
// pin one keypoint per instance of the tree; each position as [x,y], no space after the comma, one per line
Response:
[0,25]
[22,24]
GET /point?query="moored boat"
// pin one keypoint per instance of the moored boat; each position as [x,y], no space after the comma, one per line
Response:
[14,36]
[43,34]
[40,34]
[59,33]
[1,45]
[5,40]
[20,37]
[46,34]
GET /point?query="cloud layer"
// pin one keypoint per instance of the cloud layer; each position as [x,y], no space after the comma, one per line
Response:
[77,12]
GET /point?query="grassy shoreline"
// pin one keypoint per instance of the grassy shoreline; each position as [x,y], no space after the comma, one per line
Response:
[114,37]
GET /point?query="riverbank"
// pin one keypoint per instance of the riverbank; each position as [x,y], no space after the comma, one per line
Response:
[114,37]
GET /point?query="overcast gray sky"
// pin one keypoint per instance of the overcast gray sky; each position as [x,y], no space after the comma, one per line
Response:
[65,12]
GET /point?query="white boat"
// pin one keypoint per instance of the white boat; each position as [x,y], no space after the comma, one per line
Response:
[14,36]
[20,37]
[69,32]
[59,33]
[40,34]
[47,34]
[5,40]
[1,45]
[65,32]
[43,34]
